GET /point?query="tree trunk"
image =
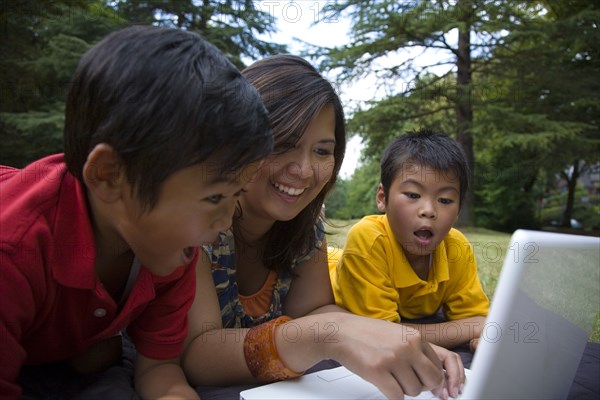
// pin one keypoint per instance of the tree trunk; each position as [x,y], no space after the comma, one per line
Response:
[464,106]
[571,185]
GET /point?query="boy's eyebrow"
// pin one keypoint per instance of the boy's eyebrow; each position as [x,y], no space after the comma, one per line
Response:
[417,183]
[412,181]
[452,188]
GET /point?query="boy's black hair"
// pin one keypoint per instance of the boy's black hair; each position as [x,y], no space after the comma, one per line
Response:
[427,148]
[164,99]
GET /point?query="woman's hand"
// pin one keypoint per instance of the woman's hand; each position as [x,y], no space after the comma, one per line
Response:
[391,356]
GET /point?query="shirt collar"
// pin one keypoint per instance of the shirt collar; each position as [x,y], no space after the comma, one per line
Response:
[75,251]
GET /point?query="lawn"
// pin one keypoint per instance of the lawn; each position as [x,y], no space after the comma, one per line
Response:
[489,246]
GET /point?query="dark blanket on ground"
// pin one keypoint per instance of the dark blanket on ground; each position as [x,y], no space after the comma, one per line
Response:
[586,384]
[57,382]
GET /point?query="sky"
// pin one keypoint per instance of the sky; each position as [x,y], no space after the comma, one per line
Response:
[310,21]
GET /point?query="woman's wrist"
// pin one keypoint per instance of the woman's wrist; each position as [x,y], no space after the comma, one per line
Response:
[305,341]
[262,355]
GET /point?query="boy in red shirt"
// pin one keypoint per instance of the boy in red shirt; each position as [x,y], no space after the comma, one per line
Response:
[161,134]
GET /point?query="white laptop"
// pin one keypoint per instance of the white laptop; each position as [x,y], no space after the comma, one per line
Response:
[542,313]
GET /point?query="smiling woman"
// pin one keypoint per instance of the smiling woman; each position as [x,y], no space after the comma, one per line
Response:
[292,176]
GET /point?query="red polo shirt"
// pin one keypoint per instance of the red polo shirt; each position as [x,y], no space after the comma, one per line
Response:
[52,304]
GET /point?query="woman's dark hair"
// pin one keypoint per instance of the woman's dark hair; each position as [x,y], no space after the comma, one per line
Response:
[427,148]
[164,99]
[294,93]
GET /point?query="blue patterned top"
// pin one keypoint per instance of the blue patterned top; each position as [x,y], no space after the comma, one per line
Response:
[222,256]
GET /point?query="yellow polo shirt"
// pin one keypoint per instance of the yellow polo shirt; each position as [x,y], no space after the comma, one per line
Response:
[373,277]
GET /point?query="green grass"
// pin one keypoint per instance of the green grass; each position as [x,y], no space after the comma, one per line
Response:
[490,248]
[337,229]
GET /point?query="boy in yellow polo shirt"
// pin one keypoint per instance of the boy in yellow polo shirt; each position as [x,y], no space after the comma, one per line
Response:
[410,263]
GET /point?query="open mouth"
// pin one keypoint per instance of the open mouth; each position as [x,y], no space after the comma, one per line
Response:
[424,234]
[290,191]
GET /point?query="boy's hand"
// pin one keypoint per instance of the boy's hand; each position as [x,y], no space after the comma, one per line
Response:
[455,373]
[161,380]
[100,356]
[473,343]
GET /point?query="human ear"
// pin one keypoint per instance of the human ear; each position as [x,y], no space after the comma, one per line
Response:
[380,198]
[103,173]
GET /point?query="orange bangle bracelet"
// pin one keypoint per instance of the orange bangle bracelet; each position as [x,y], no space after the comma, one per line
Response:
[261,352]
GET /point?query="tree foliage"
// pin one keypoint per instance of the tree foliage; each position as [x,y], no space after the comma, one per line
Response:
[546,112]
[42,42]
[426,104]
[355,198]
[463,35]
[532,93]
[232,26]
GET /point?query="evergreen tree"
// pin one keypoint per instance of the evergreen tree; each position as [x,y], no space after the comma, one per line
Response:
[41,46]
[42,42]
[520,91]
[546,113]
[463,34]
[233,25]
